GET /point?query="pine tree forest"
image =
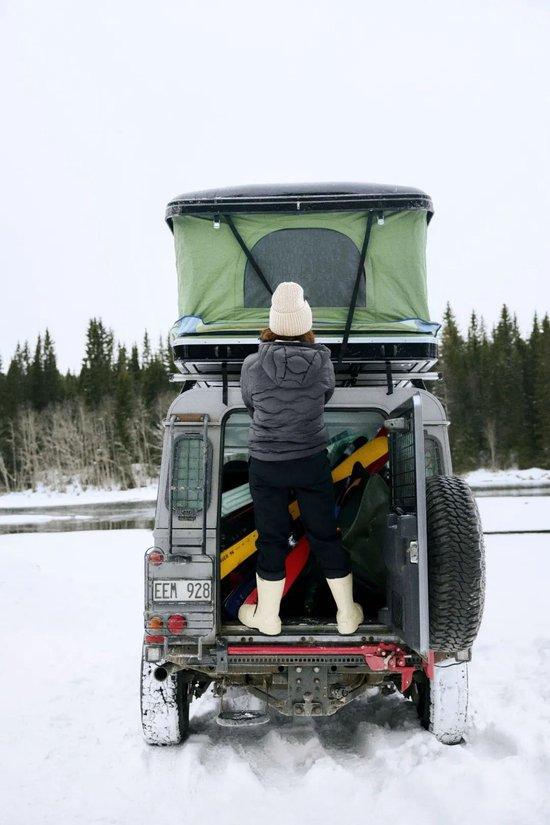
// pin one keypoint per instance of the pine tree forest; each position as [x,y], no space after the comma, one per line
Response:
[102,427]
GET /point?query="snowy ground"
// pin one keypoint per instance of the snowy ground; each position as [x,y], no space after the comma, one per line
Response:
[505,479]
[74,496]
[70,739]
[505,513]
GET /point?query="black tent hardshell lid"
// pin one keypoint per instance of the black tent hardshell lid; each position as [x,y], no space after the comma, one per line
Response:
[235,245]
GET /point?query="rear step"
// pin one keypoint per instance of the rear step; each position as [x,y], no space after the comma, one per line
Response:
[319,633]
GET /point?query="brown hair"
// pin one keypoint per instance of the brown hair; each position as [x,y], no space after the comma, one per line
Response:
[267,335]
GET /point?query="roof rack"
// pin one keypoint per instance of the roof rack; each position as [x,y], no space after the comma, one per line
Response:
[390,361]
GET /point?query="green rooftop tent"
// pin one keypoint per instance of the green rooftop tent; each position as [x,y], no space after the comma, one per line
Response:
[346,244]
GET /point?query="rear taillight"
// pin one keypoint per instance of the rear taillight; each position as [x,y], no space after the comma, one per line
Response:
[154,640]
[176,624]
[155,557]
[155,623]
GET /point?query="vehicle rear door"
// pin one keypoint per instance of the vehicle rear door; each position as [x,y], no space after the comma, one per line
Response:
[405,551]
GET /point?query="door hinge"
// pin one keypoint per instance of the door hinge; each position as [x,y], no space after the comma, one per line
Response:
[397,425]
[413,552]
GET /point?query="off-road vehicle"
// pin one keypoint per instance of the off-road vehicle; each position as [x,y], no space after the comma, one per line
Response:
[411,527]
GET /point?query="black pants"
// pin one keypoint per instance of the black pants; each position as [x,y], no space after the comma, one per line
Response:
[309,478]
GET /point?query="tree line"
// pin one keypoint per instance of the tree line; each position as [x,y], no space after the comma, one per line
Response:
[99,427]
[496,388]
[102,426]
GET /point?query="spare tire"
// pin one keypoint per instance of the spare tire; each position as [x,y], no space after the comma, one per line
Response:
[456,564]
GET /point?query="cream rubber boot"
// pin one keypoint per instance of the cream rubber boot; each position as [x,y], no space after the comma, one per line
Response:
[350,614]
[264,616]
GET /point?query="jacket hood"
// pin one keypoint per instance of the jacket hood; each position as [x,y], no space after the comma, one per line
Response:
[293,365]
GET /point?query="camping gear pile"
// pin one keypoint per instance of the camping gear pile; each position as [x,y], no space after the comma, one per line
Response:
[362,504]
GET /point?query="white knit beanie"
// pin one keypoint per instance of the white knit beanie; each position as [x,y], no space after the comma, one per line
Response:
[290,313]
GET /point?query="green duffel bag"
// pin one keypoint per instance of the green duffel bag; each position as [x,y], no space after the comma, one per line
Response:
[363,525]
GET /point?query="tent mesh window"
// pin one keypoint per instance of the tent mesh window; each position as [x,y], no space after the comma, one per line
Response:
[323,261]
[188,477]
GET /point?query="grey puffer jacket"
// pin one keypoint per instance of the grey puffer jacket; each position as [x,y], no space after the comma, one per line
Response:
[285,386]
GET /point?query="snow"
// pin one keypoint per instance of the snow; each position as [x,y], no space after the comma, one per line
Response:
[71,745]
[35,518]
[505,513]
[503,479]
[75,495]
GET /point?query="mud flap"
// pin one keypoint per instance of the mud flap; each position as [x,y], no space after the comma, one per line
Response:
[405,547]
[448,704]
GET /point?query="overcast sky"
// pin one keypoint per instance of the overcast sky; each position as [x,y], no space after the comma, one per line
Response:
[111,108]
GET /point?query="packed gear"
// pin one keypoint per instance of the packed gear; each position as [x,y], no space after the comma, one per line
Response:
[372,455]
[246,591]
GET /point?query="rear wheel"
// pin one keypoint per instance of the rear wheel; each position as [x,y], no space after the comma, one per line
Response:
[456,564]
[442,702]
[164,706]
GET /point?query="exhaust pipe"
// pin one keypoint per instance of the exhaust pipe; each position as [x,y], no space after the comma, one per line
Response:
[162,672]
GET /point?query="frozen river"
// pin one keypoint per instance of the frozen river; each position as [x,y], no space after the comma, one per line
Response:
[70,739]
[501,513]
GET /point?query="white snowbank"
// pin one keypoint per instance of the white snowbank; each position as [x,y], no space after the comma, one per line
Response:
[482,479]
[75,495]
[70,740]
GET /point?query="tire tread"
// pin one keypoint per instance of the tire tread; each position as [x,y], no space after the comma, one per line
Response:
[456,564]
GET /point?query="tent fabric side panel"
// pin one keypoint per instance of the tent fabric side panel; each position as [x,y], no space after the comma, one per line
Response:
[211,269]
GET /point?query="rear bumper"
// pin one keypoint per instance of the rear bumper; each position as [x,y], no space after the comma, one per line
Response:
[383,658]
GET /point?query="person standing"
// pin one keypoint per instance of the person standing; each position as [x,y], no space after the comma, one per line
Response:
[285,386]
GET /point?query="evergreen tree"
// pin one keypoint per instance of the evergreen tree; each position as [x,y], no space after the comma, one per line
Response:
[123,399]
[96,376]
[16,384]
[37,384]
[71,386]
[3,400]
[487,418]
[134,366]
[154,380]
[454,388]
[146,351]
[167,357]
[53,381]
[154,376]
[507,392]
[474,403]
[541,400]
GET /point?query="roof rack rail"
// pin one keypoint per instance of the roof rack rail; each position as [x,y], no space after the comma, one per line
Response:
[367,361]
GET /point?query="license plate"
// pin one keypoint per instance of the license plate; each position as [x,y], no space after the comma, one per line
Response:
[182,590]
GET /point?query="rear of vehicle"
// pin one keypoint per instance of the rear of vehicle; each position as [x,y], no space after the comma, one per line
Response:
[411,529]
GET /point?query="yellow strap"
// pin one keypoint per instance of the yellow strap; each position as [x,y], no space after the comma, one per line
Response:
[365,455]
